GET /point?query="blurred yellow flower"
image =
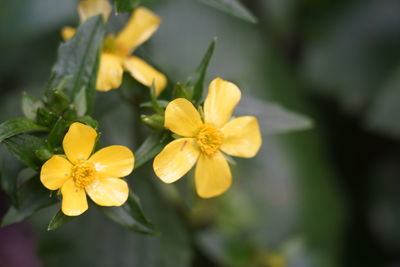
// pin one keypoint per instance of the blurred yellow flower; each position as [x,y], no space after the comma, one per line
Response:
[116,56]
[77,173]
[204,139]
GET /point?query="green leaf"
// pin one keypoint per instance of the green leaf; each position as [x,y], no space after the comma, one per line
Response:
[131,216]
[160,102]
[56,135]
[32,197]
[59,220]
[30,105]
[232,7]
[126,5]
[25,147]
[8,179]
[200,73]
[272,117]
[183,90]
[156,106]
[46,117]
[151,147]
[17,126]
[57,100]
[77,62]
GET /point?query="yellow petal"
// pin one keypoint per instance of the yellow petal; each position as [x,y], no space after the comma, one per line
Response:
[74,200]
[108,191]
[145,74]
[79,142]
[113,161]
[176,159]
[55,172]
[67,33]
[242,137]
[222,98]
[110,72]
[142,24]
[89,8]
[213,175]
[182,118]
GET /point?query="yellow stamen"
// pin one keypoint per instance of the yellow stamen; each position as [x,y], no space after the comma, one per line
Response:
[83,174]
[209,139]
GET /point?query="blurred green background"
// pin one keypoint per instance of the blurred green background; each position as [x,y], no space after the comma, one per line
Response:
[325,197]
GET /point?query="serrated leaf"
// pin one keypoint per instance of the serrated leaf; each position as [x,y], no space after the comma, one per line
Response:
[59,220]
[32,196]
[232,7]
[17,126]
[30,105]
[272,117]
[24,147]
[151,147]
[126,5]
[77,62]
[131,216]
[200,74]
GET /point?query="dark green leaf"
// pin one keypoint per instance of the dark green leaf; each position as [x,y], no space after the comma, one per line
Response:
[59,220]
[77,63]
[25,147]
[126,5]
[151,147]
[200,73]
[30,106]
[156,106]
[9,173]
[160,102]
[46,117]
[32,197]
[183,90]
[17,126]
[130,215]
[232,7]
[272,117]
[56,135]
[57,100]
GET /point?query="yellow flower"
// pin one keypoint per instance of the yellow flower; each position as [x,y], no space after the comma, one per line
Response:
[77,173]
[116,56]
[204,140]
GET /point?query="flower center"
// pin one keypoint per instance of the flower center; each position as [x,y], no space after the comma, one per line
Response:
[83,174]
[111,46]
[209,139]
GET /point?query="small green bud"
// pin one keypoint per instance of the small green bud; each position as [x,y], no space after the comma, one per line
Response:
[155,121]
[43,154]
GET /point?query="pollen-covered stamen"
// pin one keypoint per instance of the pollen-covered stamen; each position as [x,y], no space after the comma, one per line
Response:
[83,174]
[209,139]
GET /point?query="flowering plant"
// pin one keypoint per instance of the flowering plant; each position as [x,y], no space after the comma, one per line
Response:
[174,127]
